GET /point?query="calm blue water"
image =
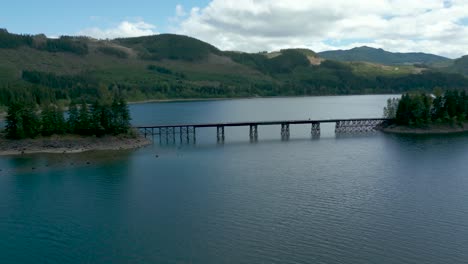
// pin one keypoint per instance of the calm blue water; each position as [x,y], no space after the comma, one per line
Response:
[350,199]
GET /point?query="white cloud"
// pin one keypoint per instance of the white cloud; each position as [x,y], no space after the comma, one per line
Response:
[123,29]
[180,12]
[396,25]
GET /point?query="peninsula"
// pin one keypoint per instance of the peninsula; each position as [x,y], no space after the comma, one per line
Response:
[101,126]
[420,113]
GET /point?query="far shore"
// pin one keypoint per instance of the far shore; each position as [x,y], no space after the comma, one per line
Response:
[169,100]
[70,144]
[184,100]
[430,130]
[174,100]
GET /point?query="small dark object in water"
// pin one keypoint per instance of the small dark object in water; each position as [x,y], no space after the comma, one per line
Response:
[88,162]
[157,156]
[33,168]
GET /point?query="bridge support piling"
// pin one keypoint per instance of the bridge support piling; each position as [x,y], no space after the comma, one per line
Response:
[358,126]
[220,133]
[285,131]
[315,129]
[187,134]
[168,133]
[194,135]
[183,135]
[253,132]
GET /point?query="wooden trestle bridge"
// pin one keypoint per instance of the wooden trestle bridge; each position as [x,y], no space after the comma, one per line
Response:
[187,132]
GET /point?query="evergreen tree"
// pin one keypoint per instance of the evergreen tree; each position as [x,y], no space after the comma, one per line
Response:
[403,114]
[84,121]
[31,122]
[419,110]
[106,117]
[391,109]
[52,120]
[121,116]
[59,120]
[22,121]
[73,118]
[96,123]
[14,126]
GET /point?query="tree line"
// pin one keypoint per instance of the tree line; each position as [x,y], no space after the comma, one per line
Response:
[76,45]
[99,119]
[325,79]
[420,109]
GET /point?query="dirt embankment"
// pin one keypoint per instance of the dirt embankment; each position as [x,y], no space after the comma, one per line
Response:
[70,144]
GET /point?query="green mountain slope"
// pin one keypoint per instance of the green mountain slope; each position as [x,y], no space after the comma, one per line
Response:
[169,46]
[459,66]
[41,70]
[381,56]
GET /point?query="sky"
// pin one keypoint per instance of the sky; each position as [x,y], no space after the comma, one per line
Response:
[431,26]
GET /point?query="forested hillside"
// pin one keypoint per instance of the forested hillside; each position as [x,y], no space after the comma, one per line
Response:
[459,66]
[68,70]
[381,56]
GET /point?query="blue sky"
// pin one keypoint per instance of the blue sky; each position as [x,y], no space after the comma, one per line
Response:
[431,26]
[55,18]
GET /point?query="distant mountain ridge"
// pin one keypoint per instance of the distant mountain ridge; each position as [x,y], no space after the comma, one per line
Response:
[459,66]
[381,56]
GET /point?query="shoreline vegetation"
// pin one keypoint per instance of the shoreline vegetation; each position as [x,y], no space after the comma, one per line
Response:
[444,112]
[61,144]
[103,125]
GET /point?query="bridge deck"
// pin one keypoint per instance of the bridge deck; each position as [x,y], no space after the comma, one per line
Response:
[262,123]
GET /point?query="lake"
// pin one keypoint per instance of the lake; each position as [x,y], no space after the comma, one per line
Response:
[372,198]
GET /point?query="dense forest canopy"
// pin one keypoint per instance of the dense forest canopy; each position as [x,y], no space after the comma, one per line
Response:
[422,109]
[169,46]
[102,118]
[76,45]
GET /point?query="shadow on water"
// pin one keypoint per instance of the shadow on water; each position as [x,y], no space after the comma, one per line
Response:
[45,162]
[428,142]
[63,197]
[420,149]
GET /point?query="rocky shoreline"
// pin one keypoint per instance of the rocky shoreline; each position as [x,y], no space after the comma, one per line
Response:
[429,130]
[70,144]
